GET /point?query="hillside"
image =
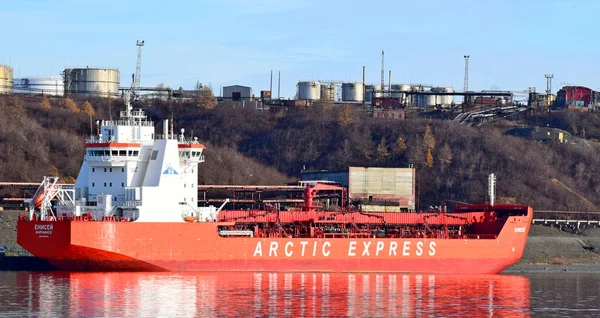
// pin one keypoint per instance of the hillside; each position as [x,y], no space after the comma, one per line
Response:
[246,146]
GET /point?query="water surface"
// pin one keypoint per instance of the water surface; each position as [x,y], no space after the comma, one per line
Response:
[53,294]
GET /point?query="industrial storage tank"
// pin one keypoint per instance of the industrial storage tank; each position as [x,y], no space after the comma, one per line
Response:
[396,88]
[377,91]
[91,81]
[418,100]
[309,90]
[406,98]
[372,91]
[447,99]
[6,79]
[352,92]
[327,92]
[51,85]
[368,93]
[437,100]
[430,100]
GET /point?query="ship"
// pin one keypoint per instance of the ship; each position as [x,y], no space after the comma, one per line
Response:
[134,207]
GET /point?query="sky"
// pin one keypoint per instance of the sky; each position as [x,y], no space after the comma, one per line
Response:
[511,43]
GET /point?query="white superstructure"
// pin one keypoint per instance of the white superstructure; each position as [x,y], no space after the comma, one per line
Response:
[130,173]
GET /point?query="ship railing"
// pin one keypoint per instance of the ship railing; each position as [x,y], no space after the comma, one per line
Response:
[112,212]
[164,137]
[113,159]
[347,235]
[481,236]
[132,203]
[236,233]
[128,122]
[96,140]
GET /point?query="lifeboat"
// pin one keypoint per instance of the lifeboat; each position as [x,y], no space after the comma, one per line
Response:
[39,197]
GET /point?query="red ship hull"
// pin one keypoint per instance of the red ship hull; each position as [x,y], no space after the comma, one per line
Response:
[133,246]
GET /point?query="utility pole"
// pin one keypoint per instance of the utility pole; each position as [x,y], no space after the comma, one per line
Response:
[364,89]
[382,71]
[279,85]
[466,86]
[271,85]
[549,78]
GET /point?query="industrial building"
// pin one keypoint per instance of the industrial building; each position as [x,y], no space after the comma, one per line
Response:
[91,82]
[237,93]
[50,85]
[386,189]
[542,134]
[577,97]
[6,79]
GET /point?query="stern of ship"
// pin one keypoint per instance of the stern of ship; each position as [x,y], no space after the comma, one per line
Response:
[53,242]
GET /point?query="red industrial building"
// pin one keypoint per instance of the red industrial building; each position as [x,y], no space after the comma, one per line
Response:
[576,96]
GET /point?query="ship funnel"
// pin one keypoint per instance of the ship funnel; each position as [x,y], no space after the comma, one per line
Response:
[166,128]
[492,188]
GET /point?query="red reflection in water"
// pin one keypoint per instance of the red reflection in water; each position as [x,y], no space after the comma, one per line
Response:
[270,294]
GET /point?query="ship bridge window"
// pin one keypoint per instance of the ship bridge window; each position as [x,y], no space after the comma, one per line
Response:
[135,153]
[122,152]
[107,152]
[184,154]
[115,152]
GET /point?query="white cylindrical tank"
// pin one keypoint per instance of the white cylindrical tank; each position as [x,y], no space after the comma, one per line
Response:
[309,90]
[447,99]
[91,82]
[418,100]
[6,79]
[437,100]
[406,98]
[377,91]
[396,88]
[430,99]
[352,92]
[50,85]
[327,92]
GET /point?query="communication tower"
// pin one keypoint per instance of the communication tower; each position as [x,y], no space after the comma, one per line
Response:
[138,70]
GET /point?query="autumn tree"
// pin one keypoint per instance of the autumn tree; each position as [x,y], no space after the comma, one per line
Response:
[383,154]
[45,103]
[204,96]
[429,162]
[70,105]
[346,116]
[428,138]
[88,109]
[399,146]
[429,142]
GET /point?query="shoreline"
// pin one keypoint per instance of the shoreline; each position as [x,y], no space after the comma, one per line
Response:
[579,266]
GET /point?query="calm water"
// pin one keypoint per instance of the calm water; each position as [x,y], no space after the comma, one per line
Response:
[24,294]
